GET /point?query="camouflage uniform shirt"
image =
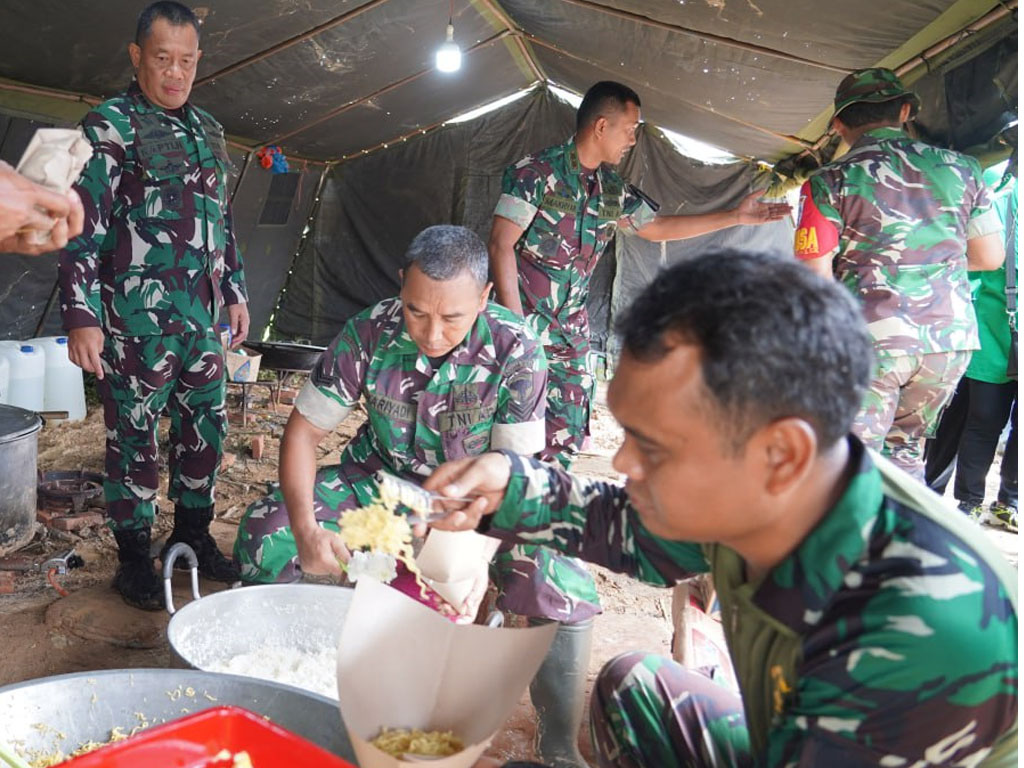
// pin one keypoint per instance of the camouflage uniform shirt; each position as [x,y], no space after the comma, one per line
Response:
[888,637]
[157,255]
[489,391]
[896,215]
[568,218]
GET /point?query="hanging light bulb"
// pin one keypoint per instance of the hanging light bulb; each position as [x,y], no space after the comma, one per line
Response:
[449,57]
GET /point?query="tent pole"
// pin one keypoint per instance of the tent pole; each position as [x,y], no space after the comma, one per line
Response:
[53,94]
[711,38]
[499,13]
[922,59]
[46,310]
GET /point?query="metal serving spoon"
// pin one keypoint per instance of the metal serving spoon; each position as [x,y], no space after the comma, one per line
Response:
[416,498]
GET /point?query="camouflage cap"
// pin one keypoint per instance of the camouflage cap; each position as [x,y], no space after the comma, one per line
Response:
[875,84]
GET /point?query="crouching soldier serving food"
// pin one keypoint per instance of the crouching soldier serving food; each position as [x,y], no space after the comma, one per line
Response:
[444,374]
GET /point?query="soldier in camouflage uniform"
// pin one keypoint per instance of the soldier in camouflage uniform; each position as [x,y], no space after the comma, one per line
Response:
[442,378]
[559,209]
[477,384]
[899,222]
[847,589]
[141,290]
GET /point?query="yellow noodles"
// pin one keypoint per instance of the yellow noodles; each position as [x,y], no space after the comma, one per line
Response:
[377,528]
[400,741]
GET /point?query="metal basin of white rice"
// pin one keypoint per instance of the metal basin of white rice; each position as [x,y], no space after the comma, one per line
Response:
[287,633]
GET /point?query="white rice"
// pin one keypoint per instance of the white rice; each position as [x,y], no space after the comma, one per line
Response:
[312,670]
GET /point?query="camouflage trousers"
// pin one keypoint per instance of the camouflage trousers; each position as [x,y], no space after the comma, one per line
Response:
[571,388]
[904,402]
[143,376]
[532,581]
[647,710]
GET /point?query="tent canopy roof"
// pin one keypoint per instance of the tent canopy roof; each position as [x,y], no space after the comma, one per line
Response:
[332,79]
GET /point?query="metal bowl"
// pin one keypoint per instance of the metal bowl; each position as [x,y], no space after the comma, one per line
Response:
[207,632]
[63,712]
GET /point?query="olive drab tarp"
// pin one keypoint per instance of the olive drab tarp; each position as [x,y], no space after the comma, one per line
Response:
[351,83]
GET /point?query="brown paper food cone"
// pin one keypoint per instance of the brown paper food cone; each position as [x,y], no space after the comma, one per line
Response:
[401,665]
[455,565]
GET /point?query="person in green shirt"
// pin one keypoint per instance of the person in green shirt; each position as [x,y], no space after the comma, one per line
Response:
[987,395]
[868,623]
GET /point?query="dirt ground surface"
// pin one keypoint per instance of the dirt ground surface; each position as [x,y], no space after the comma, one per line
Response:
[45,634]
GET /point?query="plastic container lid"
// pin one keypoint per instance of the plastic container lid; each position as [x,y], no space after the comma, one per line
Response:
[197,741]
[16,423]
[62,339]
[27,348]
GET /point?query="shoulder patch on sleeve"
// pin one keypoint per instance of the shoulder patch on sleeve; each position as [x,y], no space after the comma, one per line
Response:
[816,236]
[521,385]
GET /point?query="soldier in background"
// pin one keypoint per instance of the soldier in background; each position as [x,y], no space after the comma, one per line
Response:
[141,291]
[559,210]
[899,223]
[867,625]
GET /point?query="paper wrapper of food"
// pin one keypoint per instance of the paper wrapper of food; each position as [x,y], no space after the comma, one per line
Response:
[54,158]
[241,365]
[401,665]
[455,566]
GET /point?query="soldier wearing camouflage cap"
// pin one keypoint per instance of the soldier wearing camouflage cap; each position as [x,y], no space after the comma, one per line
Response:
[141,290]
[867,623]
[899,222]
[559,209]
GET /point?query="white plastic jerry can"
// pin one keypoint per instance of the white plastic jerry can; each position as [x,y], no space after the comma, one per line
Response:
[64,389]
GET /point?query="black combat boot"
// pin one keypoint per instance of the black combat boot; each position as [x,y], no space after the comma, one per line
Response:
[192,526]
[136,580]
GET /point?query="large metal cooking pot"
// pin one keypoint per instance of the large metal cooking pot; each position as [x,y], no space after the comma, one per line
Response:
[284,356]
[64,712]
[211,630]
[19,443]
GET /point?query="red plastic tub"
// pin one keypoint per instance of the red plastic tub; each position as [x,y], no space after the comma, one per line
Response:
[200,741]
